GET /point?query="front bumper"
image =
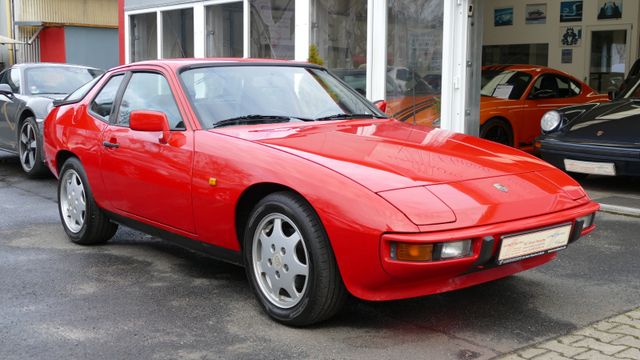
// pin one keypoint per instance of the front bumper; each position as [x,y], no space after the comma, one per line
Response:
[413,279]
[625,160]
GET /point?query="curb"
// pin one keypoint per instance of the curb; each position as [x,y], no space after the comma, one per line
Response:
[619,210]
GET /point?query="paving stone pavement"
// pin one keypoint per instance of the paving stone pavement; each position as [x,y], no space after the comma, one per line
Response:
[614,338]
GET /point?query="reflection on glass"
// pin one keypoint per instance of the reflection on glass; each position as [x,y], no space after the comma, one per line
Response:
[342,51]
[608,54]
[177,33]
[273,29]
[535,54]
[224,30]
[143,37]
[414,58]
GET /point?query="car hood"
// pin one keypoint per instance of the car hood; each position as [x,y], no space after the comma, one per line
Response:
[386,154]
[612,123]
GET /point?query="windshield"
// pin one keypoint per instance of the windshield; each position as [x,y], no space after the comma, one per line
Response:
[57,79]
[222,93]
[504,84]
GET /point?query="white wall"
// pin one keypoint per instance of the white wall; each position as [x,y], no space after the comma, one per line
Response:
[521,33]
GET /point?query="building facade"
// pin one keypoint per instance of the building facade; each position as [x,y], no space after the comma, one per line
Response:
[83,32]
[386,49]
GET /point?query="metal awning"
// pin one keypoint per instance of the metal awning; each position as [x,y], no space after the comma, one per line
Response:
[8,40]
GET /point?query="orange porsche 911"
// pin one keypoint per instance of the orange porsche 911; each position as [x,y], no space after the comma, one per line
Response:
[514,98]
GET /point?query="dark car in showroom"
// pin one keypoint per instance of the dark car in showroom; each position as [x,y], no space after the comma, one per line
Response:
[27,93]
[596,139]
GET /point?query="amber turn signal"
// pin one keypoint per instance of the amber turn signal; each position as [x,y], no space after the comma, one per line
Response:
[413,252]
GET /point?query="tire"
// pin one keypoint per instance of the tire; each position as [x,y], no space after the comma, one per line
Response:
[83,221]
[300,285]
[30,149]
[497,130]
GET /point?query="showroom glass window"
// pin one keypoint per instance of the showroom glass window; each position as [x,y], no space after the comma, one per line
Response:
[143,37]
[273,29]
[102,105]
[414,59]
[149,91]
[177,33]
[339,31]
[224,28]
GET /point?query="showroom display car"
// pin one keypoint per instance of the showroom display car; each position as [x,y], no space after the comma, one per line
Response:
[282,168]
[596,139]
[27,93]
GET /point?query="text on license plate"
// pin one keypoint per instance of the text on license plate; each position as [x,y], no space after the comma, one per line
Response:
[523,246]
[590,167]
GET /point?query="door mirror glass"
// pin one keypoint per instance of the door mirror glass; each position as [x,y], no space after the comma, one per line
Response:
[381,105]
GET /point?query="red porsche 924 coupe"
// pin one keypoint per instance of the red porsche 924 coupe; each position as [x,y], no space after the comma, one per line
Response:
[284,169]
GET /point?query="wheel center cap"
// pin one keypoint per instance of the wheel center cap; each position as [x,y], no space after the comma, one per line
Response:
[277,262]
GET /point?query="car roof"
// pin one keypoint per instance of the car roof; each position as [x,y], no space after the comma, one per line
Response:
[49,64]
[520,67]
[183,62]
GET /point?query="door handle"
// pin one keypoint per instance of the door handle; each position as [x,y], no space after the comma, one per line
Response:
[110,145]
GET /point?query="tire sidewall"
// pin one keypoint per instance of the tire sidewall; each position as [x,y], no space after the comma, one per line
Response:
[74,164]
[38,166]
[300,311]
[490,124]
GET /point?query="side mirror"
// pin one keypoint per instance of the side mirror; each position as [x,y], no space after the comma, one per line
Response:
[150,121]
[612,94]
[5,89]
[381,105]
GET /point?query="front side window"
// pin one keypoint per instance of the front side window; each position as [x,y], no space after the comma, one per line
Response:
[149,91]
[14,80]
[504,84]
[102,105]
[222,93]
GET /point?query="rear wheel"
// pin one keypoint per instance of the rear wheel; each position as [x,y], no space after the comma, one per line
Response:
[290,263]
[30,149]
[497,130]
[83,221]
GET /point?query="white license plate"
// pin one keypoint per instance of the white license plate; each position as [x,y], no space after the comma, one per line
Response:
[590,167]
[523,246]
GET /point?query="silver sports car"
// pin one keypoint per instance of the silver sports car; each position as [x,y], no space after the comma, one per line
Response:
[27,92]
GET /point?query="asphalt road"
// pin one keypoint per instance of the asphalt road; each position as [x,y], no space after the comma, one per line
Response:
[141,297]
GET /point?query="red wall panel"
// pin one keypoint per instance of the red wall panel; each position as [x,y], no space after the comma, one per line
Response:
[52,46]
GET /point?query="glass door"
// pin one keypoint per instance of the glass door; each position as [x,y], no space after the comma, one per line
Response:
[224,30]
[608,58]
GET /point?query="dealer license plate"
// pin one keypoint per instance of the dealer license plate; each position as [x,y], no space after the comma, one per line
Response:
[590,167]
[535,243]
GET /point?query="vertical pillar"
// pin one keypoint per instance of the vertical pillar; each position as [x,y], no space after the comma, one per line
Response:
[302,29]
[246,34]
[199,28]
[159,32]
[376,49]
[454,65]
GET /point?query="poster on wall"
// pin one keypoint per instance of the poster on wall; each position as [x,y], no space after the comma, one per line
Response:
[570,35]
[571,11]
[503,16]
[609,9]
[536,14]
[567,56]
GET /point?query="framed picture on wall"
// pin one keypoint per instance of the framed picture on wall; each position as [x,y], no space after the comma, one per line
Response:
[536,14]
[570,35]
[503,16]
[571,11]
[567,56]
[608,9]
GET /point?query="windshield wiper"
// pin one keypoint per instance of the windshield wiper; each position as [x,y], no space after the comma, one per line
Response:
[350,116]
[255,118]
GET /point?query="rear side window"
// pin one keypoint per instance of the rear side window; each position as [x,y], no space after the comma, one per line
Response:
[149,91]
[102,105]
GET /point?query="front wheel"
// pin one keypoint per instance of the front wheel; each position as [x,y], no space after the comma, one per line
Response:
[290,263]
[30,149]
[82,219]
[498,131]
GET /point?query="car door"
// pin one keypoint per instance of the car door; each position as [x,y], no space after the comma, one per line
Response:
[144,177]
[10,106]
[549,92]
